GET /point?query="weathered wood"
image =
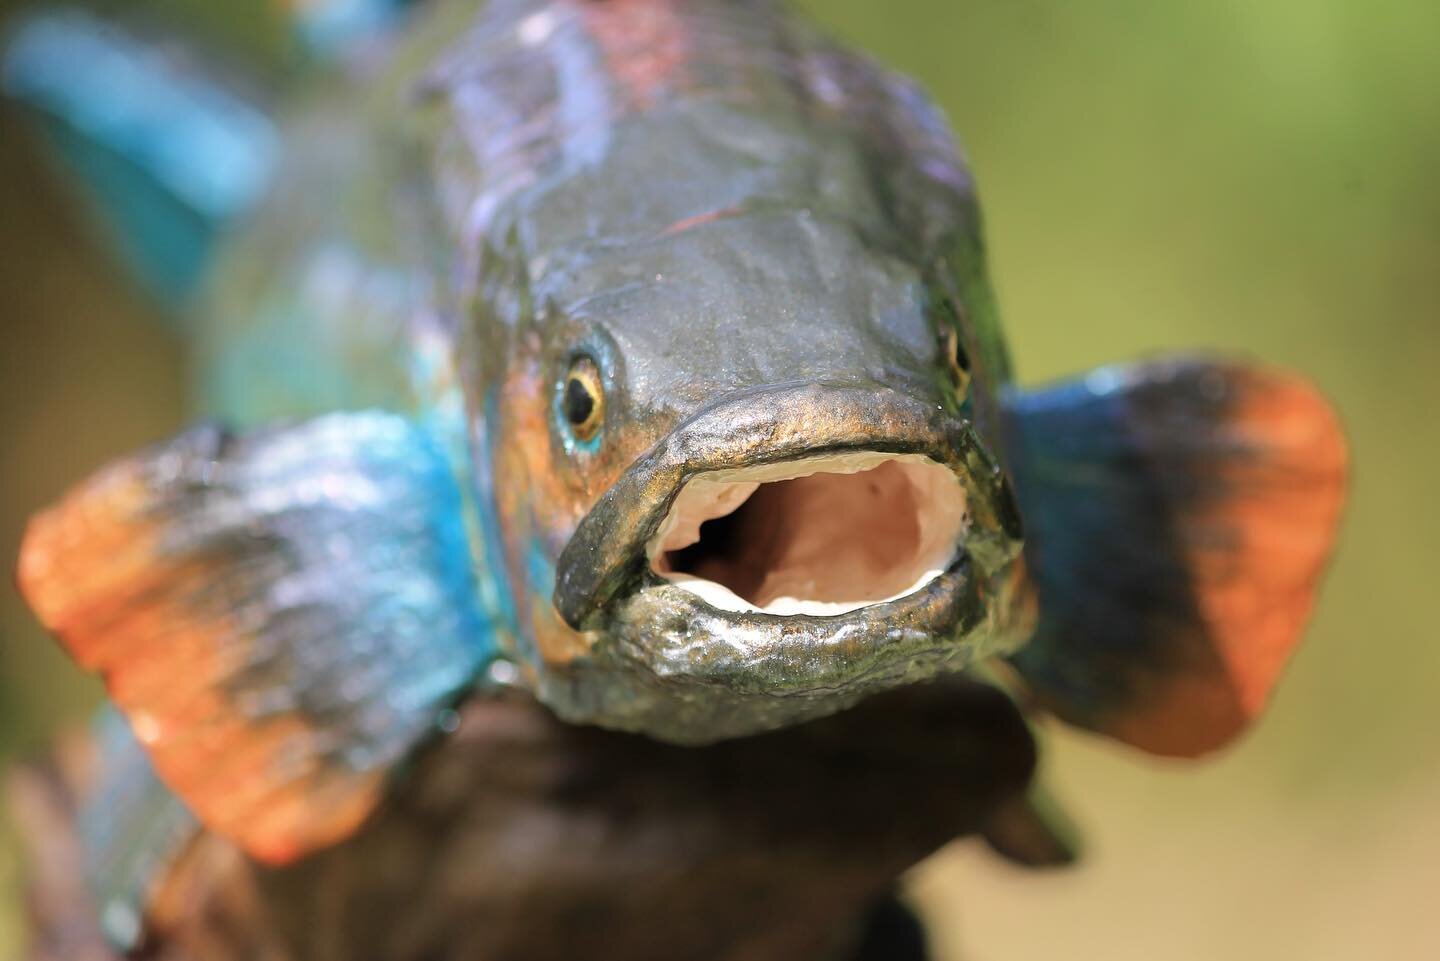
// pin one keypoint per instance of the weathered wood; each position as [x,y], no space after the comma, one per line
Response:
[519,837]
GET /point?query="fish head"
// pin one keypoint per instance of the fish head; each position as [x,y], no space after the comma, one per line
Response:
[745,485]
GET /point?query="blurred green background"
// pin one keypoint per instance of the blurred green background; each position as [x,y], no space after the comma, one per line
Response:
[1259,176]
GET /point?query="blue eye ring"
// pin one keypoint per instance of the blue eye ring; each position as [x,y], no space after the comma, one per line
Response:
[580,404]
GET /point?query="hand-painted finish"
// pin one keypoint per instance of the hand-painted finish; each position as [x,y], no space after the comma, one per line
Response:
[588,253]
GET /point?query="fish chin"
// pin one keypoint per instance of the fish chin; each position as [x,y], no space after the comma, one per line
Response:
[681,669]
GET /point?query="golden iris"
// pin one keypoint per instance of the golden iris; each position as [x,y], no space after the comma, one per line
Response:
[583,401]
[956,361]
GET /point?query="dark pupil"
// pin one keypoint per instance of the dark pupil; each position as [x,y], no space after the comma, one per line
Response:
[579,405]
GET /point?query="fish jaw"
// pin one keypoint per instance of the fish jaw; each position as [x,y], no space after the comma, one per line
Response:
[687,659]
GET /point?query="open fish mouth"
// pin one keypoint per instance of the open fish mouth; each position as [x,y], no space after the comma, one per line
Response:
[797,500]
[782,554]
[822,536]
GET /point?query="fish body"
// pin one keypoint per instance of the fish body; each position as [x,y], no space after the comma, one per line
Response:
[671,390]
[742,224]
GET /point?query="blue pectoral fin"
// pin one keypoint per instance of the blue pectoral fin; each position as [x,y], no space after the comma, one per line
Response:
[282,615]
[1178,517]
[168,156]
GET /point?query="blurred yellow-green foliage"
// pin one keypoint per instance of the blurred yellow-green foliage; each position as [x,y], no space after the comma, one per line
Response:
[1256,176]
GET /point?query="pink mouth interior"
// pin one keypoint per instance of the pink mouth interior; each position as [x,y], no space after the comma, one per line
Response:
[822,536]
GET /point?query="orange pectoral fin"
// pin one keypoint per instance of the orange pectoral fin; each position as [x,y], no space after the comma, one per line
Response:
[280,616]
[1180,516]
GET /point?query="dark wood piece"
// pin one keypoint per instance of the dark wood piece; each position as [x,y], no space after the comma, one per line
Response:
[519,837]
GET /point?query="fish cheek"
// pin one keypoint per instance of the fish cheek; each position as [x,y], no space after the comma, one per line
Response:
[538,509]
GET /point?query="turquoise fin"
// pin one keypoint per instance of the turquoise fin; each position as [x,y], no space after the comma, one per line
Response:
[167,154]
[169,151]
[1178,517]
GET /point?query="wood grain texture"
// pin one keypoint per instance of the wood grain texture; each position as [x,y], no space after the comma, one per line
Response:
[521,837]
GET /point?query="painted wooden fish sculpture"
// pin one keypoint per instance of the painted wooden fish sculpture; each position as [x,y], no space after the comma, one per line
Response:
[637,354]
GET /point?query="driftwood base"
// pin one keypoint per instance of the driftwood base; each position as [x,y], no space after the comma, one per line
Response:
[519,837]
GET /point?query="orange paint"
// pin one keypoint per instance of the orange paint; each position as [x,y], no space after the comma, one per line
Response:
[165,665]
[645,44]
[1256,559]
[689,223]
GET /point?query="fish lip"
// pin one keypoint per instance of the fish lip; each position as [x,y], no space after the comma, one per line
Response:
[673,632]
[606,562]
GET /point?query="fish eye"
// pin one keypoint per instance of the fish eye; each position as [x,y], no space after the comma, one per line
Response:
[956,360]
[582,398]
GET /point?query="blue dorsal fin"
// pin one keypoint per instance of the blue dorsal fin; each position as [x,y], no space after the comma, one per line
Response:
[169,150]
[167,154]
[1178,516]
[281,615]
